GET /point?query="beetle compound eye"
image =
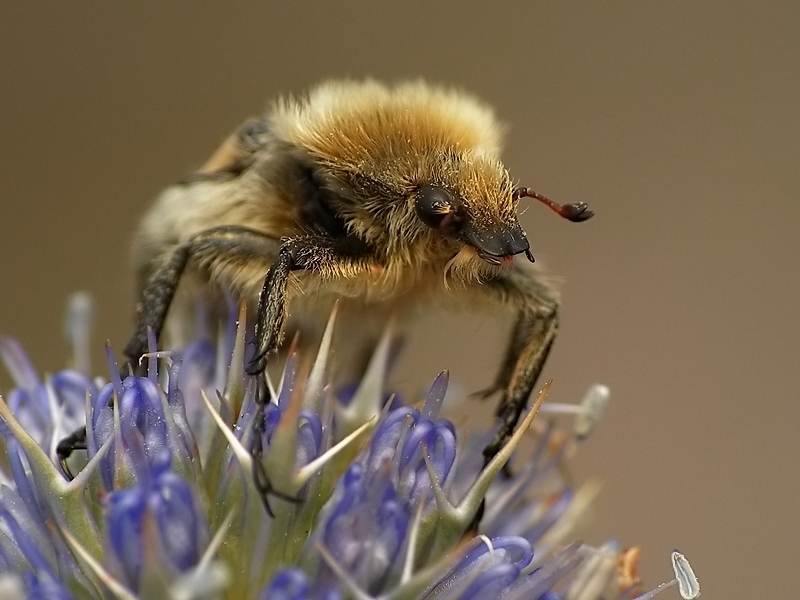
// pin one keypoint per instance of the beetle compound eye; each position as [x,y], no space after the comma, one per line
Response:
[437,208]
[433,205]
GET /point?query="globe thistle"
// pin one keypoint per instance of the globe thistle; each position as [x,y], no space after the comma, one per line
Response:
[374,497]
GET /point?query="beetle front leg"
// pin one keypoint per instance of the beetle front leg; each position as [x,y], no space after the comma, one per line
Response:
[309,253]
[536,309]
[541,335]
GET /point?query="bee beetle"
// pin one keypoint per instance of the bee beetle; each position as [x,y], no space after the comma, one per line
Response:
[385,198]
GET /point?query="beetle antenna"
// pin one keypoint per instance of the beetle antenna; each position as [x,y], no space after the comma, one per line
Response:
[573,212]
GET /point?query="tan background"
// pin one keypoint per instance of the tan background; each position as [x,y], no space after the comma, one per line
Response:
[677,121]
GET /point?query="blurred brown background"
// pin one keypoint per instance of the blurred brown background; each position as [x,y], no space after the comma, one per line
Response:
[677,121]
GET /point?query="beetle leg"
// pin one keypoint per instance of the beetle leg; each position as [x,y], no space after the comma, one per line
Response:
[536,308]
[226,243]
[309,253]
[66,446]
[541,332]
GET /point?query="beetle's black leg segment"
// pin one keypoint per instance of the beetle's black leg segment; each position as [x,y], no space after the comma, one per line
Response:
[270,319]
[154,303]
[307,253]
[74,441]
[271,315]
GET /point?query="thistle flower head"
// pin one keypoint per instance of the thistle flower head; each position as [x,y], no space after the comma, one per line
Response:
[374,497]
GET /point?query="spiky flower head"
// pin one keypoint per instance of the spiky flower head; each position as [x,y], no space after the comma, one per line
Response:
[374,497]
